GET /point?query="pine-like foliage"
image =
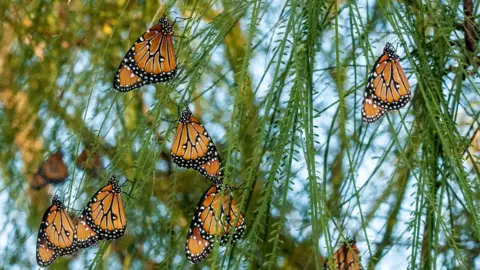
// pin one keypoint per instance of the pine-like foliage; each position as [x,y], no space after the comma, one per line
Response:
[279,86]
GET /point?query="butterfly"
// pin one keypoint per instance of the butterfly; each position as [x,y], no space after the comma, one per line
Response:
[216,216]
[151,59]
[55,236]
[105,213]
[89,161]
[193,148]
[54,169]
[345,258]
[387,85]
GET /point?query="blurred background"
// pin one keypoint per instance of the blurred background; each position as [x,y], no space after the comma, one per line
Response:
[279,86]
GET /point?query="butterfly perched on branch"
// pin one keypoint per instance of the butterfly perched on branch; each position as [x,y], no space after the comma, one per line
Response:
[55,236]
[387,86]
[216,217]
[347,257]
[151,59]
[193,148]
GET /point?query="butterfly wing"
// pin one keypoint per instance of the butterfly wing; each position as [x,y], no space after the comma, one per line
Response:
[192,146]
[105,212]
[387,84]
[235,219]
[211,169]
[371,112]
[197,247]
[45,255]
[345,258]
[125,80]
[84,235]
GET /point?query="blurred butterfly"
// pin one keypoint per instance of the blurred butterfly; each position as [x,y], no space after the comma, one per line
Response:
[89,161]
[216,216]
[54,169]
[347,257]
[105,213]
[37,181]
[193,148]
[387,85]
[55,236]
[151,59]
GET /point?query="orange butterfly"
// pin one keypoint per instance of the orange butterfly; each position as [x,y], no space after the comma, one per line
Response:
[151,59]
[89,161]
[387,88]
[347,257]
[55,236]
[388,84]
[218,216]
[105,213]
[193,148]
[54,169]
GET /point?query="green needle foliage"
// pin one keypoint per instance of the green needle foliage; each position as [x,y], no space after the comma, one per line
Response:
[279,86]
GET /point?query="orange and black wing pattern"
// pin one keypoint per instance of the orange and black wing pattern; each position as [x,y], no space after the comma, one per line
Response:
[45,254]
[125,80]
[211,169]
[216,216]
[55,236]
[192,146]
[151,59]
[371,112]
[347,257]
[84,235]
[387,83]
[197,247]
[105,213]
[54,169]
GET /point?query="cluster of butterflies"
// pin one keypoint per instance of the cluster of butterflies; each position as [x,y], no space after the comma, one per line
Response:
[54,170]
[217,217]
[103,218]
[152,59]
[347,257]
[387,86]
